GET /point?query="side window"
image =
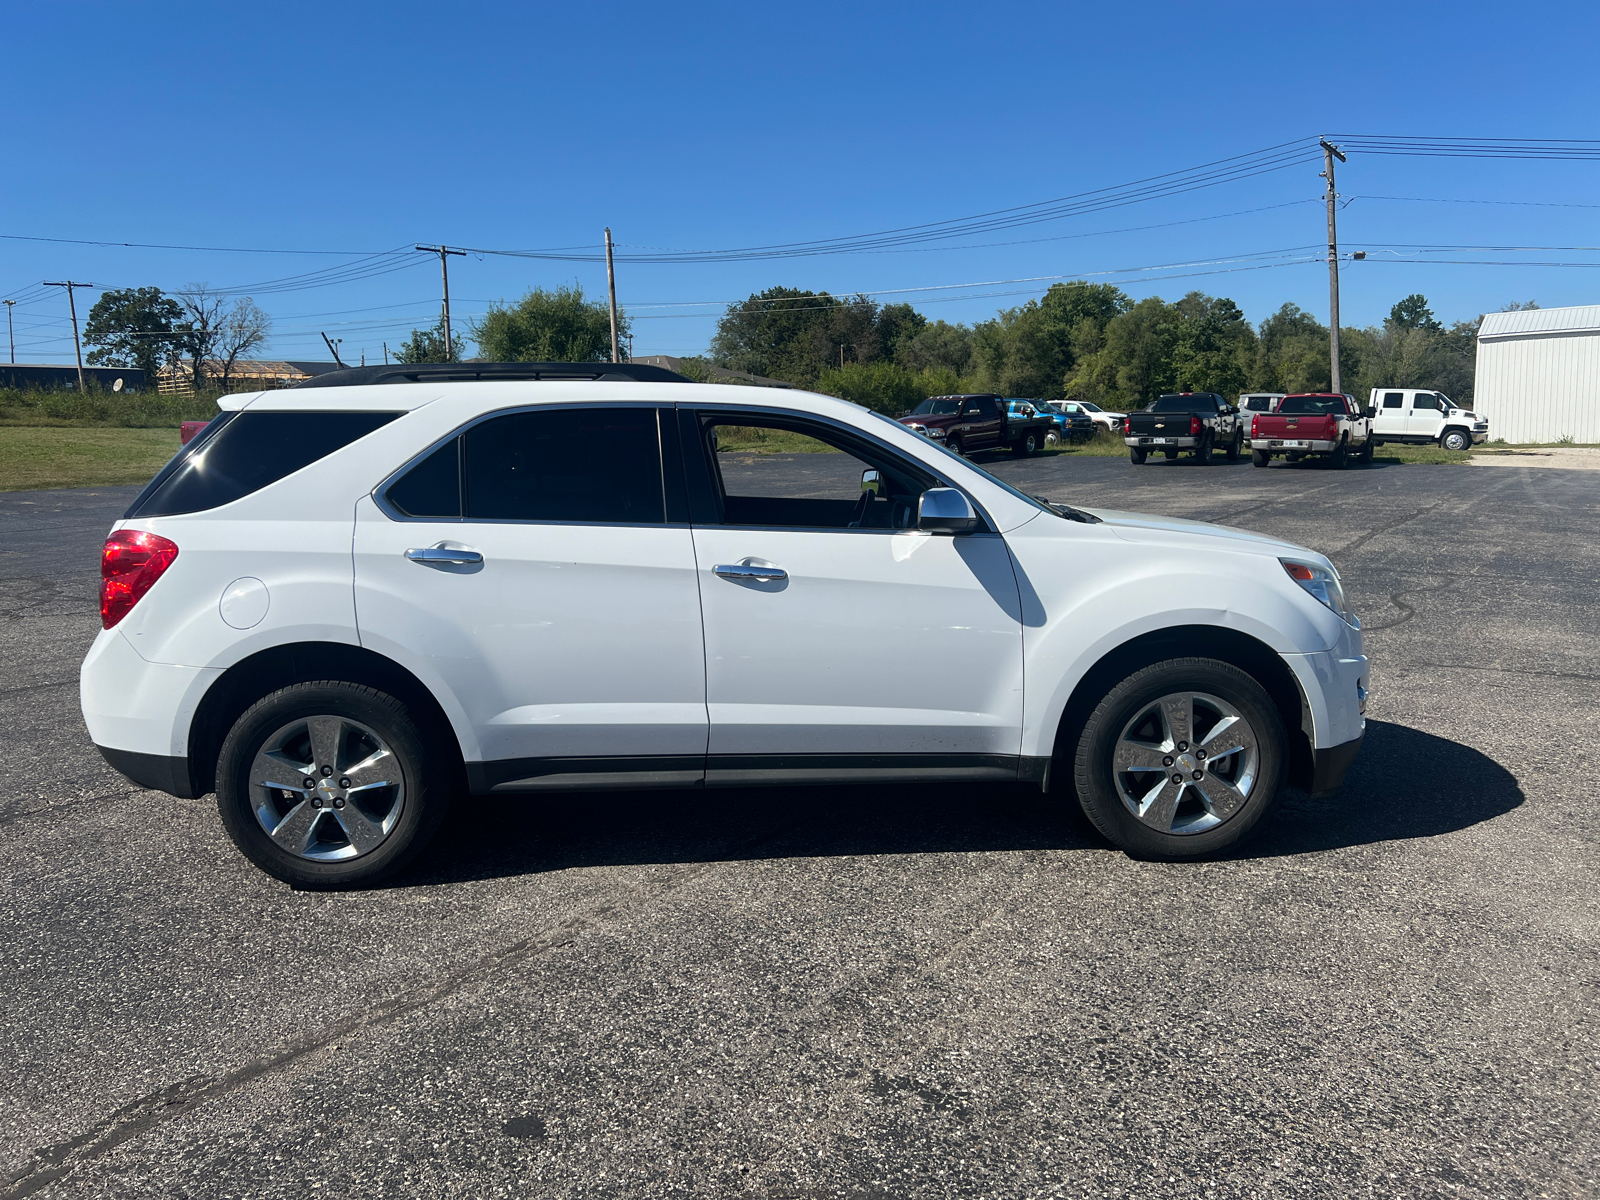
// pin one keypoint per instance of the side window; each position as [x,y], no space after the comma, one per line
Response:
[1393,399]
[989,410]
[1425,400]
[432,488]
[789,473]
[565,464]
[246,453]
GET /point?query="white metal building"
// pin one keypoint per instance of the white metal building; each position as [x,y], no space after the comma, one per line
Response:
[1538,377]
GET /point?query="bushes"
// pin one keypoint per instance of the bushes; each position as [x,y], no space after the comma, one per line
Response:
[148,409]
[887,387]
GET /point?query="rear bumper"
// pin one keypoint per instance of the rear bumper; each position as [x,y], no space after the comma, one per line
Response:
[1303,446]
[1329,765]
[160,772]
[1160,443]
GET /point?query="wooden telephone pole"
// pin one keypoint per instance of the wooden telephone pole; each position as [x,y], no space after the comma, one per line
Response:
[444,253]
[1329,153]
[72,306]
[611,284]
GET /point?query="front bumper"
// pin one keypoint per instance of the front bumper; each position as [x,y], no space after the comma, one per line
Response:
[1329,765]
[1161,443]
[160,772]
[1297,445]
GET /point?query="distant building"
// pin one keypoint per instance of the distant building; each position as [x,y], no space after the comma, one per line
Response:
[55,375]
[718,374]
[1538,376]
[246,375]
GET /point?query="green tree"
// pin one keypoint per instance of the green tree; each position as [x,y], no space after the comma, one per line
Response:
[882,386]
[549,326]
[1413,313]
[1032,349]
[1292,353]
[936,346]
[1134,362]
[791,334]
[1214,347]
[427,346]
[130,327]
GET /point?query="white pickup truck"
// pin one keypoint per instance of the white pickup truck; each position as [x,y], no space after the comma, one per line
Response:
[1419,416]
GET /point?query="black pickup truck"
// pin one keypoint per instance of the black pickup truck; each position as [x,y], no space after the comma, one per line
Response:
[1199,422]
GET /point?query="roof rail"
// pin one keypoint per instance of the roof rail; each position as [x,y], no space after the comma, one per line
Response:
[486,372]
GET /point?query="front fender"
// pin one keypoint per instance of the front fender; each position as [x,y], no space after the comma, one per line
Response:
[1086,592]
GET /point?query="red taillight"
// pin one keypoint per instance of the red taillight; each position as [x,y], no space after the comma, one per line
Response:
[130,563]
[1253,422]
[1194,426]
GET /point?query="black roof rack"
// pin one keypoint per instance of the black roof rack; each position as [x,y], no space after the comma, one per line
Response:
[472,371]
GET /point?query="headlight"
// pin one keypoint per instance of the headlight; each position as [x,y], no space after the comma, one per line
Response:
[934,433]
[1322,583]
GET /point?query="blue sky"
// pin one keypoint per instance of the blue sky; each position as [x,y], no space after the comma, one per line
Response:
[362,129]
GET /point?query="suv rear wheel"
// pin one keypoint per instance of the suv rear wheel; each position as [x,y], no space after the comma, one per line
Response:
[1180,759]
[330,785]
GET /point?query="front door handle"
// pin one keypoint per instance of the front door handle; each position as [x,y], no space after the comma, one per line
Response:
[751,572]
[443,554]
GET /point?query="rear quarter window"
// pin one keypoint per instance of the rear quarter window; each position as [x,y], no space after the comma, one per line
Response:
[244,453]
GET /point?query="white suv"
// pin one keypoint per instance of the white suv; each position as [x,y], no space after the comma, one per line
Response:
[343,605]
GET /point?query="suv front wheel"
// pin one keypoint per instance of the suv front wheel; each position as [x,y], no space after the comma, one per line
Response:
[1180,759]
[330,785]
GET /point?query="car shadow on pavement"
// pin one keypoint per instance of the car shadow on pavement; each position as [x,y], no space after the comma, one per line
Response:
[1405,784]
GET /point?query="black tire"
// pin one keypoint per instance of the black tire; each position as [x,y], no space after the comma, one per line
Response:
[1364,455]
[1172,455]
[953,445]
[426,776]
[1202,452]
[1096,781]
[1260,458]
[1455,439]
[1236,447]
[1340,458]
[1137,455]
[1025,445]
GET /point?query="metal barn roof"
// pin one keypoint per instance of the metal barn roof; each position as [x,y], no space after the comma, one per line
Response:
[1535,322]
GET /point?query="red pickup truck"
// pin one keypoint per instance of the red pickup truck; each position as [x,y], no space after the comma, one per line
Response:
[1313,423]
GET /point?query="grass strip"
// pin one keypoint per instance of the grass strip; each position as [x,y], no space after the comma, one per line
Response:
[64,457]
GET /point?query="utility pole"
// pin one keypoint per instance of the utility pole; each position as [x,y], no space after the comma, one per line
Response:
[444,253]
[10,334]
[333,348]
[611,284]
[386,354]
[1329,153]
[77,346]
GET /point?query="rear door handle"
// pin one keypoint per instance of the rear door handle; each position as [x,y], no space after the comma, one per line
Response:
[749,571]
[443,554]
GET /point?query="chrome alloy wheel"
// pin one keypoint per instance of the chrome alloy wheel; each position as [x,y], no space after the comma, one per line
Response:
[1185,763]
[326,788]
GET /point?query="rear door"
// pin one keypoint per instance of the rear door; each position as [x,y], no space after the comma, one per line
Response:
[841,642]
[1392,415]
[528,572]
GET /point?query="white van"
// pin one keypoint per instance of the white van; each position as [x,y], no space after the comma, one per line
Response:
[1418,415]
[1262,402]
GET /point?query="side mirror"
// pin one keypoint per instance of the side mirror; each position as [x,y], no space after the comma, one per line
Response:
[1369,412]
[872,481]
[945,510]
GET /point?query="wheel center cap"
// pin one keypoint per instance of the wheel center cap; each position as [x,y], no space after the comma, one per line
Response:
[329,788]
[1186,763]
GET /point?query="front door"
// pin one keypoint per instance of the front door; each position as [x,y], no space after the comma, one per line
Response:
[526,571]
[1427,417]
[841,642]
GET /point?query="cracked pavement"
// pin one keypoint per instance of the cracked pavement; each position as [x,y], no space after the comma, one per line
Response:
[859,992]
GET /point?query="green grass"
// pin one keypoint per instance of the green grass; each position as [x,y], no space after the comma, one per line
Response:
[64,457]
[739,439]
[59,407]
[1411,455]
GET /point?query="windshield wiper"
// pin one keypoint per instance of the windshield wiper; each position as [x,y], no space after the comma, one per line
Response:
[1067,511]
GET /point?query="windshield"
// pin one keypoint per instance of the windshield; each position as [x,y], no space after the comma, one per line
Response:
[1087,407]
[936,408]
[1198,402]
[1300,406]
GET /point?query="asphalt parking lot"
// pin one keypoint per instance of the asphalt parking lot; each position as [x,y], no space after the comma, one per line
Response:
[877,992]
